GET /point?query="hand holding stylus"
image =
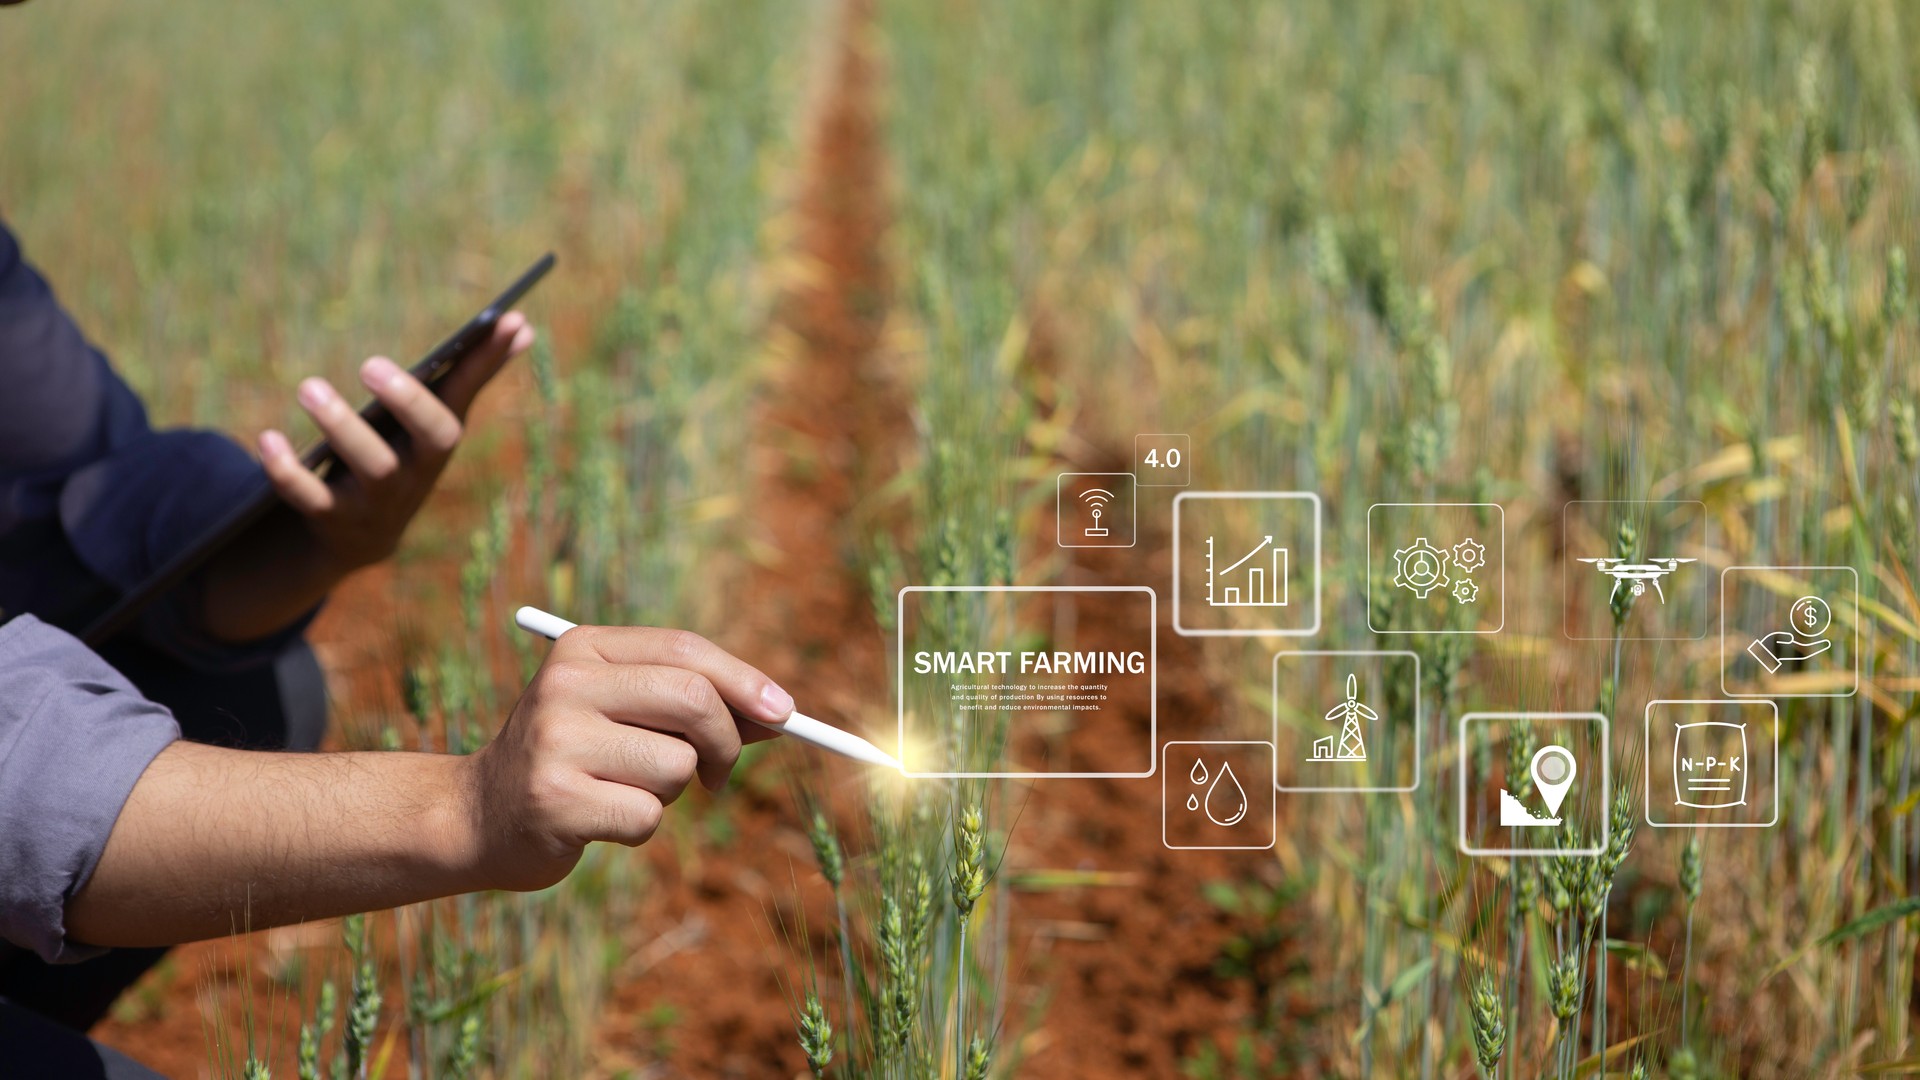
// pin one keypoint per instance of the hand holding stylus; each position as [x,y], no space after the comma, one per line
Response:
[804,728]
[612,728]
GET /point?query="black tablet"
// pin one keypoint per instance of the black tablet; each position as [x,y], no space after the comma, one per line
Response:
[431,370]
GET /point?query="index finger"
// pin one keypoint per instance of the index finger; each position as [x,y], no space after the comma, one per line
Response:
[432,425]
[741,685]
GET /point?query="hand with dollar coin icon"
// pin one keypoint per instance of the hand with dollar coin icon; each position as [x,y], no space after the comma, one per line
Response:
[1806,639]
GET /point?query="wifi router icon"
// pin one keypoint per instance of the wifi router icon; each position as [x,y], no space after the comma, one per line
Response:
[1096,498]
[1096,510]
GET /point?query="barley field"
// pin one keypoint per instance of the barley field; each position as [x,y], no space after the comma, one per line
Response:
[843,286]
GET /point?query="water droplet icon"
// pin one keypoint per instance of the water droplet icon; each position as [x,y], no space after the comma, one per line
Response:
[1199,773]
[1226,799]
[1193,802]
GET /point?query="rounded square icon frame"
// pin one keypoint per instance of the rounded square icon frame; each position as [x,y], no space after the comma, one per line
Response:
[1273,800]
[1852,572]
[1566,569]
[1606,786]
[1646,798]
[1133,509]
[1496,628]
[1318,543]
[1419,721]
[1153,678]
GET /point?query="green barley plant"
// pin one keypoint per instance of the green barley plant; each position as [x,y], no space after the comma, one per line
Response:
[833,867]
[816,1036]
[1564,979]
[363,1004]
[358,1017]
[969,880]
[314,1033]
[1489,1025]
[245,1052]
[1692,869]
[977,1060]
[464,1057]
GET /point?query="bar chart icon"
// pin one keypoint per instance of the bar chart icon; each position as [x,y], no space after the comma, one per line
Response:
[1263,585]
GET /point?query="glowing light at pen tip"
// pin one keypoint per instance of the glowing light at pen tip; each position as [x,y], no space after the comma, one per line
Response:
[904,750]
[888,785]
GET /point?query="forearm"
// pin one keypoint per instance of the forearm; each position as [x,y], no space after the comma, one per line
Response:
[214,841]
[265,580]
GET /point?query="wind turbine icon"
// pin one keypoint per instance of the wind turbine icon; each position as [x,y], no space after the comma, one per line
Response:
[1349,713]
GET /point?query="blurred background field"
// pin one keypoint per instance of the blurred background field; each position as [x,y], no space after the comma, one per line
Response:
[842,286]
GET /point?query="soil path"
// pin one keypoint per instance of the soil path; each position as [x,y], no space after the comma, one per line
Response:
[702,987]
[1120,977]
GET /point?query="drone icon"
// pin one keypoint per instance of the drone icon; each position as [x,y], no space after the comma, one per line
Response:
[1640,575]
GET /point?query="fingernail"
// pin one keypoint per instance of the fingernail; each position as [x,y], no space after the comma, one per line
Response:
[777,702]
[378,371]
[315,393]
[272,443]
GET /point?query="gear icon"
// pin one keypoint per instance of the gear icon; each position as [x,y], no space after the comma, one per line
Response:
[1469,555]
[1421,567]
[1465,591]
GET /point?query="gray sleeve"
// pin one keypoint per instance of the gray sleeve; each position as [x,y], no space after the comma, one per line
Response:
[74,736]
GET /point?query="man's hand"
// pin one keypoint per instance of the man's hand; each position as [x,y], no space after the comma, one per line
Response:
[358,516]
[614,726]
[281,569]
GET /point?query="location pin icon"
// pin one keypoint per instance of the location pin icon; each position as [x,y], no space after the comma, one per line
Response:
[1553,771]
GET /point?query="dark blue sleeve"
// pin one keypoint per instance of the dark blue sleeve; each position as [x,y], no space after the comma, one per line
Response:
[62,404]
[92,500]
[128,513]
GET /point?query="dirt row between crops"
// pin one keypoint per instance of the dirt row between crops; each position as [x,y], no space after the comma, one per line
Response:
[1120,977]
[705,957]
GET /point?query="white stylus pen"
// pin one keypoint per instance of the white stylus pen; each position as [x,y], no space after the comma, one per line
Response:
[804,728]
